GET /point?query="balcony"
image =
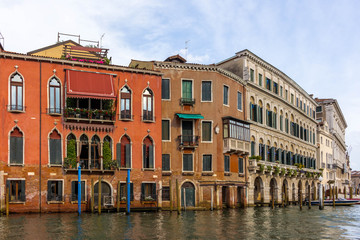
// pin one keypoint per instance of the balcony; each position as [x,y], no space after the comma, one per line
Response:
[90,166]
[188,141]
[232,145]
[15,108]
[187,101]
[81,115]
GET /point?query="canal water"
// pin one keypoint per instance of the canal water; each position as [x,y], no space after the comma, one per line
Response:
[249,223]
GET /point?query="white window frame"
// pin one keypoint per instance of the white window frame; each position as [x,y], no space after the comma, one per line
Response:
[63,190]
[167,119]
[202,164]
[83,180]
[228,100]
[169,89]
[182,163]
[242,102]
[62,147]
[168,171]
[211,132]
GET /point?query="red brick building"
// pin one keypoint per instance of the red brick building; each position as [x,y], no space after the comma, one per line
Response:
[57,112]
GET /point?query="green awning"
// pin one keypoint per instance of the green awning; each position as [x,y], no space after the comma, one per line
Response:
[189,116]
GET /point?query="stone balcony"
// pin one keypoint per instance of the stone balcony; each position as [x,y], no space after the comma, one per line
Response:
[232,145]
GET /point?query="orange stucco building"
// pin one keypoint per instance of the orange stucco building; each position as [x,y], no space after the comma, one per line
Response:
[57,113]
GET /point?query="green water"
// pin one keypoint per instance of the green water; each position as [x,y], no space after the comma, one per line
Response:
[249,223]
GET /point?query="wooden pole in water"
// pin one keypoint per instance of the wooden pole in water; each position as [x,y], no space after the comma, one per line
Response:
[272,199]
[331,193]
[7,201]
[184,193]
[118,198]
[300,200]
[337,192]
[99,196]
[212,199]
[171,198]
[333,196]
[323,195]
[351,192]
[178,201]
[344,192]
[309,197]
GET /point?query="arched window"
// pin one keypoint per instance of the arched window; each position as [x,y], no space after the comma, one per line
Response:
[16,92]
[54,96]
[125,103]
[55,148]
[123,152]
[84,151]
[148,153]
[95,152]
[107,153]
[16,147]
[148,105]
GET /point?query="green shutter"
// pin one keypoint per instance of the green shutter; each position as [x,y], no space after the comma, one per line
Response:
[128,155]
[49,194]
[60,187]
[142,191]
[151,156]
[118,154]
[22,190]
[145,165]
[131,192]
[82,190]
[74,191]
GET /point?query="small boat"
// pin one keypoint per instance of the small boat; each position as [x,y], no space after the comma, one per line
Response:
[338,202]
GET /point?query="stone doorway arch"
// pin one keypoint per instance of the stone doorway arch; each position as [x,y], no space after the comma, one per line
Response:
[258,190]
[188,189]
[273,190]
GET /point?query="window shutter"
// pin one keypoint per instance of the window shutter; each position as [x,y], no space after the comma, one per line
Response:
[252,148]
[74,191]
[131,192]
[13,152]
[153,192]
[52,151]
[19,149]
[8,186]
[118,154]
[60,187]
[143,191]
[82,191]
[128,155]
[251,111]
[151,156]
[144,157]
[273,154]
[49,194]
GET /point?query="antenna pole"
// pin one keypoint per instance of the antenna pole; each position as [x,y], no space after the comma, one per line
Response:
[186,49]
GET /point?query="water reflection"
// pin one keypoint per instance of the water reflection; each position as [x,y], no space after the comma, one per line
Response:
[249,223]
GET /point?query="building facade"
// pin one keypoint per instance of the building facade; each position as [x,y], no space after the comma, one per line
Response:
[205,140]
[58,113]
[330,111]
[283,132]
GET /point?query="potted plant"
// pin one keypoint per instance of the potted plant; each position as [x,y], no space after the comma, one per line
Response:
[283,172]
[276,170]
[261,168]
[70,160]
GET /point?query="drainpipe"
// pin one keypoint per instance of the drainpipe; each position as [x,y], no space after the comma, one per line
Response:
[40,146]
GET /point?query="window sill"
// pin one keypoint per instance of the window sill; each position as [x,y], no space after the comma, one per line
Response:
[16,165]
[166,173]
[17,202]
[55,114]
[148,121]
[124,169]
[241,175]
[188,173]
[16,111]
[55,165]
[148,169]
[207,173]
[55,202]
[227,174]
[126,119]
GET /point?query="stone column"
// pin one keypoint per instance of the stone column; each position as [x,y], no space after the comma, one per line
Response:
[160,195]
[266,193]
[250,190]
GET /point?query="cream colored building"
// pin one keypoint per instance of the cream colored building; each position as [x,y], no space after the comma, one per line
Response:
[325,154]
[330,111]
[282,130]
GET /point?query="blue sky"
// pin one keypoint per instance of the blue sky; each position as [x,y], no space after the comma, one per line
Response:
[316,43]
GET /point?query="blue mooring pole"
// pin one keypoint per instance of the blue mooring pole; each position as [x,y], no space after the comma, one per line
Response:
[128,192]
[79,190]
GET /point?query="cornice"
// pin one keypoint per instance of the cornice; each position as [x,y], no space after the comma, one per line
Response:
[199,67]
[74,63]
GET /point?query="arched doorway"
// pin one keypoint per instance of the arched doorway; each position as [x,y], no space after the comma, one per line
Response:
[273,190]
[258,191]
[188,194]
[106,196]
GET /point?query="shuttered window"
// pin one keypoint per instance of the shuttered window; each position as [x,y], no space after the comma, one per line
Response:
[188,162]
[16,189]
[239,101]
[16,147]
[55,151]
[148,153]
[187,89]
[74,190]
[165,193]
[252,75]
[226,95]
[252,148]
[148,191]
[123,153]
[207,163]
[165,129]
[226,163]
[55,190]
[206,131]
[241,165]
[206,92]
[166,162]
[123,192]
[165,88]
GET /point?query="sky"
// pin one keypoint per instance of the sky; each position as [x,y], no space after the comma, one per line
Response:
[316,43]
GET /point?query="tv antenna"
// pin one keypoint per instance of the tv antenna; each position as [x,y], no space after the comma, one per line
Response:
[101,39]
